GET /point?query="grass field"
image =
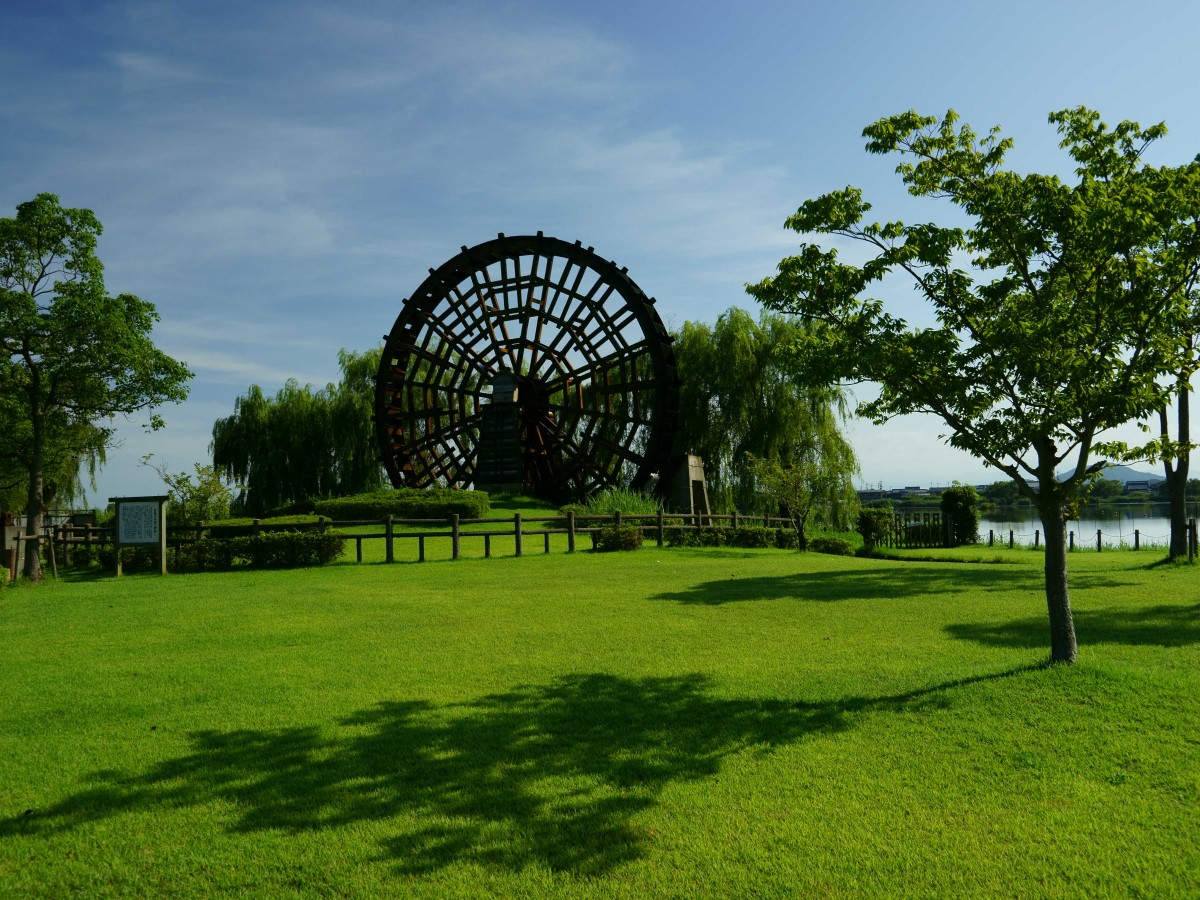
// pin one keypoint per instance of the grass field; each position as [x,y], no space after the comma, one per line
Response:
[662,723]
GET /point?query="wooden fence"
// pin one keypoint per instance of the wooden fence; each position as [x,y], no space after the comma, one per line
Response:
[918,530]
[519,529]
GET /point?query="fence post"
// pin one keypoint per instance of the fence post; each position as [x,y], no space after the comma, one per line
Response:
[661,535]
[546,541]
[420,548]
[487,546]
[1037,538]
[389,546]
[454,536]
[1191,539]
[358,548]
[517,533]
[321,524]
[617,518]
[1099,545]
[1137,539]
[1011,540]
[570,532]
[1071,540]
[991,537]
[256,527]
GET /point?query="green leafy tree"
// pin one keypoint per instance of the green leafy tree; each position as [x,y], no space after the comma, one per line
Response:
[815,487]
[73,356]
[302,444]
[960,507]
[1175,454]
[741,394]
[206,499]
[1106,489]
[1062,327]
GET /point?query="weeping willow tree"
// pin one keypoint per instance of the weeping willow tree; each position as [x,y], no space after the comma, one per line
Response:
[740,400]
[73,452]
[302,444]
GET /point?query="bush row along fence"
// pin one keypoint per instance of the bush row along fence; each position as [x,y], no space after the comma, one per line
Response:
[659,527]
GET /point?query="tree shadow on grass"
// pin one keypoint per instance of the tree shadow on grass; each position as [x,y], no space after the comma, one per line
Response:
[550,775]
[864,584]
[1164,625]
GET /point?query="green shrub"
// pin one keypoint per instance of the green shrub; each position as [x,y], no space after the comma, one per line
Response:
[617,500]
[960,506]
[406,503]
[754,536]
[299,508]
[874,524]
[287,549]
[269,550]
[833,545]
[619,537]
[697,537]
[787,539]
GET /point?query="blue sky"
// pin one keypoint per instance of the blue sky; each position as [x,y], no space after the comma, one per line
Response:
[277,177]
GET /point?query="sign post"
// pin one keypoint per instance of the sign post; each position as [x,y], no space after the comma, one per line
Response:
[141,522]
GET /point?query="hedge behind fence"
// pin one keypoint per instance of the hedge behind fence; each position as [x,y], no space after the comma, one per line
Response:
[406,503]
[269,550]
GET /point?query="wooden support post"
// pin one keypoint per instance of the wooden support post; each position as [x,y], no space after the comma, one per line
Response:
[1011,540]
[1037,538]
[454,537]
[570,532]
[661,531]
[1099,535]
[546,540]
[991,537]
[1137,539]
[1070,540]
[420,548]
[358,548]
[487,546]
[517,536]
[389,543]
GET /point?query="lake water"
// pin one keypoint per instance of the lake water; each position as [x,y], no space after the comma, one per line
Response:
[1117,523]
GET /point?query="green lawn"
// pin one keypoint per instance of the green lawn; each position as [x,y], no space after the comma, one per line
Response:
[663,723]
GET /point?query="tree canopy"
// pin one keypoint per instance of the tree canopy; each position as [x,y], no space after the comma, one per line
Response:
[1057,309]
[73,356]
[742,394]
[302,444]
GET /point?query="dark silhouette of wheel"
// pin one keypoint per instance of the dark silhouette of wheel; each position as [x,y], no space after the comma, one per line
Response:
[527,364]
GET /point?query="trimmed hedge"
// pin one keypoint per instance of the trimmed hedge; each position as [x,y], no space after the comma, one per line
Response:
[787,539]
[833,545]
[269,550]
[406,503]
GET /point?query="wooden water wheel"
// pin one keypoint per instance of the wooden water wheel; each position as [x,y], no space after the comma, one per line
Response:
[531,364]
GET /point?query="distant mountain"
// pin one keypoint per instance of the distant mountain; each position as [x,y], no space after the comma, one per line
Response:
[1124,474]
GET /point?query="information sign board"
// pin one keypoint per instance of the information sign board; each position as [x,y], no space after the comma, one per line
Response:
[139,522]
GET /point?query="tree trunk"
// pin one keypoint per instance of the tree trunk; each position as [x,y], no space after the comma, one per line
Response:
[1177,476]
[34,500]
[1063,648]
